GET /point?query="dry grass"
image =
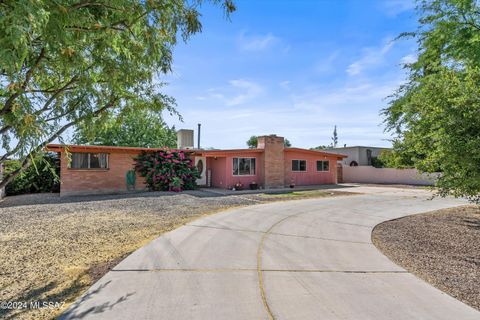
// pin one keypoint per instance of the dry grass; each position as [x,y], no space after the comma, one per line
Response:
[441,247]
[55,251]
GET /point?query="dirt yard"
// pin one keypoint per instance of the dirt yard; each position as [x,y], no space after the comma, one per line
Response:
[52,249]
[441,247]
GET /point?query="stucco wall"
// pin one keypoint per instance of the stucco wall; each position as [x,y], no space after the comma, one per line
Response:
[218,172]
[222,171]
[311,176]
[358,154]
[368,174]
[245,180]
[95,181]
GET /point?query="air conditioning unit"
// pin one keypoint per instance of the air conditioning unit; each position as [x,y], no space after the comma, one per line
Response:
[185,139]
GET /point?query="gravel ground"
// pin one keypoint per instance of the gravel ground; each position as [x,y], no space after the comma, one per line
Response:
[53,249]
[441,247]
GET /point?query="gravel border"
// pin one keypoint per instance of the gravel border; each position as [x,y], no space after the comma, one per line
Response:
[441,247]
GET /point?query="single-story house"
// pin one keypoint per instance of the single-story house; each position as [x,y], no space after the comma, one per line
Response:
[357,155]
[102,169]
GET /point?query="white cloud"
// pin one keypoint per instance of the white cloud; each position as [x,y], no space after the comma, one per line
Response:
[306,117]
[250,90]
[238,91]
[285,85]
[257,42]
[326,65]
[408,59]
[370,57]
[395,7]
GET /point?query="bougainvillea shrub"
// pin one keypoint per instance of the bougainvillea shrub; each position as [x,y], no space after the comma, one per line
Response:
[167,170]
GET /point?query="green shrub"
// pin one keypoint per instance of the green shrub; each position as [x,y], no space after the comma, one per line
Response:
[377,162]
[167,170]
[41,176]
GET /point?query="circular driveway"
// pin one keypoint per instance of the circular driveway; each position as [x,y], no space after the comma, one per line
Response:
[305,259]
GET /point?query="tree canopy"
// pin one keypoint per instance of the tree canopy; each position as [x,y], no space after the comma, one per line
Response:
[436,114]
[66,61]
[142,128]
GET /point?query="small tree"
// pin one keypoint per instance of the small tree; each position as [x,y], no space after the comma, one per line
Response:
[322,147]
[334,137]
[253,141]
[167,170]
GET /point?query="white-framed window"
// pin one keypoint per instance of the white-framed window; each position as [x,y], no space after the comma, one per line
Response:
[244,166]
[299,165]
[81,160]
[323,165]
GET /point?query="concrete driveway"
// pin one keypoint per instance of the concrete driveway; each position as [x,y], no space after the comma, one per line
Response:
[306,259]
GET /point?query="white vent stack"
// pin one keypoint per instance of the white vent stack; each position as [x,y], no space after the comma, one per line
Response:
[185,139]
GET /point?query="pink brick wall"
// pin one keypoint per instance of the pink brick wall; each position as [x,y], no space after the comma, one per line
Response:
[311,176]
[94,181]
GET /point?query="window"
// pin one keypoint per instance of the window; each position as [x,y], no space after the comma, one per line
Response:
[299,165]
[323,165]
[89,161]
[243,166]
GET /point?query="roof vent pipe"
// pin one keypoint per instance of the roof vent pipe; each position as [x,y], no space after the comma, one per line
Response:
[198,142]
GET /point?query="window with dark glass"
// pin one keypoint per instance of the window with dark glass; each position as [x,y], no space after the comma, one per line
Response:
[323,165]
[299,165]
[89,161]
[244,166]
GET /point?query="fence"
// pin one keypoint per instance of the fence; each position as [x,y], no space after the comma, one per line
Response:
[368,174]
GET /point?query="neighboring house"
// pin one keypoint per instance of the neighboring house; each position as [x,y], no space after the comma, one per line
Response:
[103,169]
[358,155]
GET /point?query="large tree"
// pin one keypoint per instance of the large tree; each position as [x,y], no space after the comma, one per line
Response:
[436,115]
[131,128]
[66,61]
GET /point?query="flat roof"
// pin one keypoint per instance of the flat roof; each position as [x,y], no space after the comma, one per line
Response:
[351,147]
[213,153]
[85,148]
[224,152]
[319,152]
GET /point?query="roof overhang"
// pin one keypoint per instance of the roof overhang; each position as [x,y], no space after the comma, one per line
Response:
[224,153]
[317,153]
[106,149]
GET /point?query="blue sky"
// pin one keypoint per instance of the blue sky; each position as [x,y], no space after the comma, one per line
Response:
[293,68]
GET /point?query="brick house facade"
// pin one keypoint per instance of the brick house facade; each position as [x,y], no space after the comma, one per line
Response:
[103,169]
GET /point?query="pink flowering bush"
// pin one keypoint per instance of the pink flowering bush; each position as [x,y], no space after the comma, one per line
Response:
[167,170]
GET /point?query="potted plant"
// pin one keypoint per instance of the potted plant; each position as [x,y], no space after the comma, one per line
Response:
[292,183]
[253,185]
[238,186]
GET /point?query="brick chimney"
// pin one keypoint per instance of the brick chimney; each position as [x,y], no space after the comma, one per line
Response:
[273,171]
